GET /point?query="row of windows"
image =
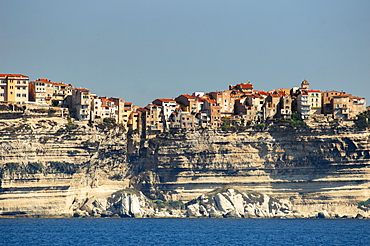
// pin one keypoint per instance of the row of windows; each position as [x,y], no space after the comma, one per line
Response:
[11,81]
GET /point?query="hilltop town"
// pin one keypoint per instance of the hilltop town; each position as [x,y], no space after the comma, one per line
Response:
[239,105]
[213,159]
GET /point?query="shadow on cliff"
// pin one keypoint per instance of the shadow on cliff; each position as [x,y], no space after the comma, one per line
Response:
[311,155]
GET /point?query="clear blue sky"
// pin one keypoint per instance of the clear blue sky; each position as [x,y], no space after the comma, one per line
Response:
[142,50]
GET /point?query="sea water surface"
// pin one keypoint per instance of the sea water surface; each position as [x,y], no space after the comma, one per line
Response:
[78,231]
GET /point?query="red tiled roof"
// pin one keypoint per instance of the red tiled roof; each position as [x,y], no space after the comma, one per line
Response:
[45,81]
[358,98]
[165,100]
[81,89]
[104,106]
[189,96]
[105,99]
[313,91]
[255,96]
[128,104]
[245,86]
[13,75]
[60,84]
[261,92]
[209,100]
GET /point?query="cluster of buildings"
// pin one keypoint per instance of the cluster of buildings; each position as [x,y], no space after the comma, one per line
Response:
[240,103]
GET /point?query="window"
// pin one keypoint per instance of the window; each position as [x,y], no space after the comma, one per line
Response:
[24,95]
[1,94]
[18,95]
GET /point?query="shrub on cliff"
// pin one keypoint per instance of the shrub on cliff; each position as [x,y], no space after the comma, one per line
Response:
[363,120]
[107,124]
[12,167]
[34,167]
[295,121]
[62,167]
[364,204]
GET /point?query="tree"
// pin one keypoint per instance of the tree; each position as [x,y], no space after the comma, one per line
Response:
[55,103]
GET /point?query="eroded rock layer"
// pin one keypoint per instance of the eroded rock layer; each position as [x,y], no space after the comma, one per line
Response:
[315,169]
[55,167]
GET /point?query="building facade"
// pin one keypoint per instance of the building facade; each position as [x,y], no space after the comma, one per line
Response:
[14,88]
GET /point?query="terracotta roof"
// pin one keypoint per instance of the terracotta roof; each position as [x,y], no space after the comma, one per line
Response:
[165,100]
[104,106]
[341,96]
[189,96]
[128,104]
[44,81]
[274,95]
[313,90]
[60,84]
[209,100]
[245,86]
[81,89]
[358,98]
[152,104]
[13,75]
[105,99]
[255,96]
[261,92]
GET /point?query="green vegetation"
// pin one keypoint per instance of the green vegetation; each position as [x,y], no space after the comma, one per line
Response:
[168,204]
[295,121]
[364,204]
[70,126]
[51,112]
[260,127]
[107,124]
[21,127]
[55,103]
[12,167]
[363,120]
[34,167]
[63,167]
[72,152]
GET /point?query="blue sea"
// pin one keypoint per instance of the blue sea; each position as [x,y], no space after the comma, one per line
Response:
[78,231]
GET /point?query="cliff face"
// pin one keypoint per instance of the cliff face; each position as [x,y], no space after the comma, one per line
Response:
[52,167]
[315,169]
